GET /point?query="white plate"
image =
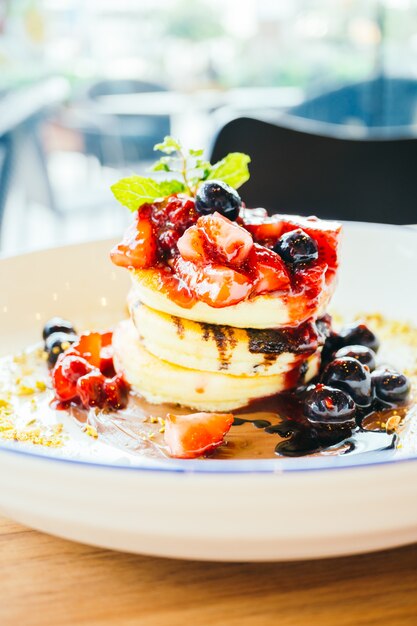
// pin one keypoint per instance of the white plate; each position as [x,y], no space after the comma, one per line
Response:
[218,510]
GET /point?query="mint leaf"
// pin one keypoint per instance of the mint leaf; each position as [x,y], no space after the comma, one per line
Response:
[169,187]
[168,146]
[134,191]
[233,169]
[163,165]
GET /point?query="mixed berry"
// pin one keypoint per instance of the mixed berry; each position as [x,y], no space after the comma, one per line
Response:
[205,245]
[212,240]
[329,405]
[296,247]
[217,196]
[349,385]
[82,367]
[58,335]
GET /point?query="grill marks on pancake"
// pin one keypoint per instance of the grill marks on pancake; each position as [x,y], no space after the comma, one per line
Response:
[224,338]
[300,340]
[178,325]
[269,343]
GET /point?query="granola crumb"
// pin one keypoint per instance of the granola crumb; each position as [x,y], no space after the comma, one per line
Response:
[89,430]
[24,390]
[392,423]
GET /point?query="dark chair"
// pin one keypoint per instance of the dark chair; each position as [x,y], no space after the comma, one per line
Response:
[6,161]
[120,140]
[302,170]
[372,103]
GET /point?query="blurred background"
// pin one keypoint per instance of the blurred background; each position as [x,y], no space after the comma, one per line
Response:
[88,87]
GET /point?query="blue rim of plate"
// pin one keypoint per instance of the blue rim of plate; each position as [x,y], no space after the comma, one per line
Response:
[276,466]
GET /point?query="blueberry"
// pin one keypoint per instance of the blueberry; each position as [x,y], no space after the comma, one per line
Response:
[56,343]
[214,195]
[361,353]
[296,247]
[328,405]
[331,345]
[390,386]
[358,334]
[350,376]
[55,325]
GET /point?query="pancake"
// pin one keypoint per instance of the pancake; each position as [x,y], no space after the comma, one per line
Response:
[271,310]
[217,348]
[159,381]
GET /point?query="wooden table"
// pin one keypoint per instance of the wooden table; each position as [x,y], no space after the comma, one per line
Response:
[49,582]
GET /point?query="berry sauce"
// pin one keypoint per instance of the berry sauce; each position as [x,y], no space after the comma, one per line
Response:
[270,428]
[192,253]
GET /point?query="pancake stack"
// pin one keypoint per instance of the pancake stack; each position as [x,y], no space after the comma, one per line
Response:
[193,356]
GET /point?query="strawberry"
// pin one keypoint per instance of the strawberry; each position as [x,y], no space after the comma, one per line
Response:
[138,248]
[65,389]
[86,372]
[191,245]
[216,285]
[270,230]
[89,346]
[271,271]
[191,436]
[326,233]
[228,242]
[90,389]
[309,285]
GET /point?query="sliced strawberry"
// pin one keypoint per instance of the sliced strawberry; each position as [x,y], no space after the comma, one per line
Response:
[191,245]
[89,347]
[106,338]
[65,389]
[216,285]
[270,270]
[228,242]
[270,230]
[326,233]
[309,286]
[106,354]
[138,248]
[191,436]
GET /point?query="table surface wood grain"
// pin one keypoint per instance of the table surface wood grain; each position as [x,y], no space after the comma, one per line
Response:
[48,581]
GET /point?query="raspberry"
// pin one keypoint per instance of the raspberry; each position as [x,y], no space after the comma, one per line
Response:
[116,392]
[168,240]
[106,361]
[182,214]
[73,367]
[90,389]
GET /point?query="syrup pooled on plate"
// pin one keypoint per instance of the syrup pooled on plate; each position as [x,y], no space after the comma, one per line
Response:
[269,428]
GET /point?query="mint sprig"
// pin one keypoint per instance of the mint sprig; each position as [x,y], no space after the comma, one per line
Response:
[192,169]
[135,191]
[233,169]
